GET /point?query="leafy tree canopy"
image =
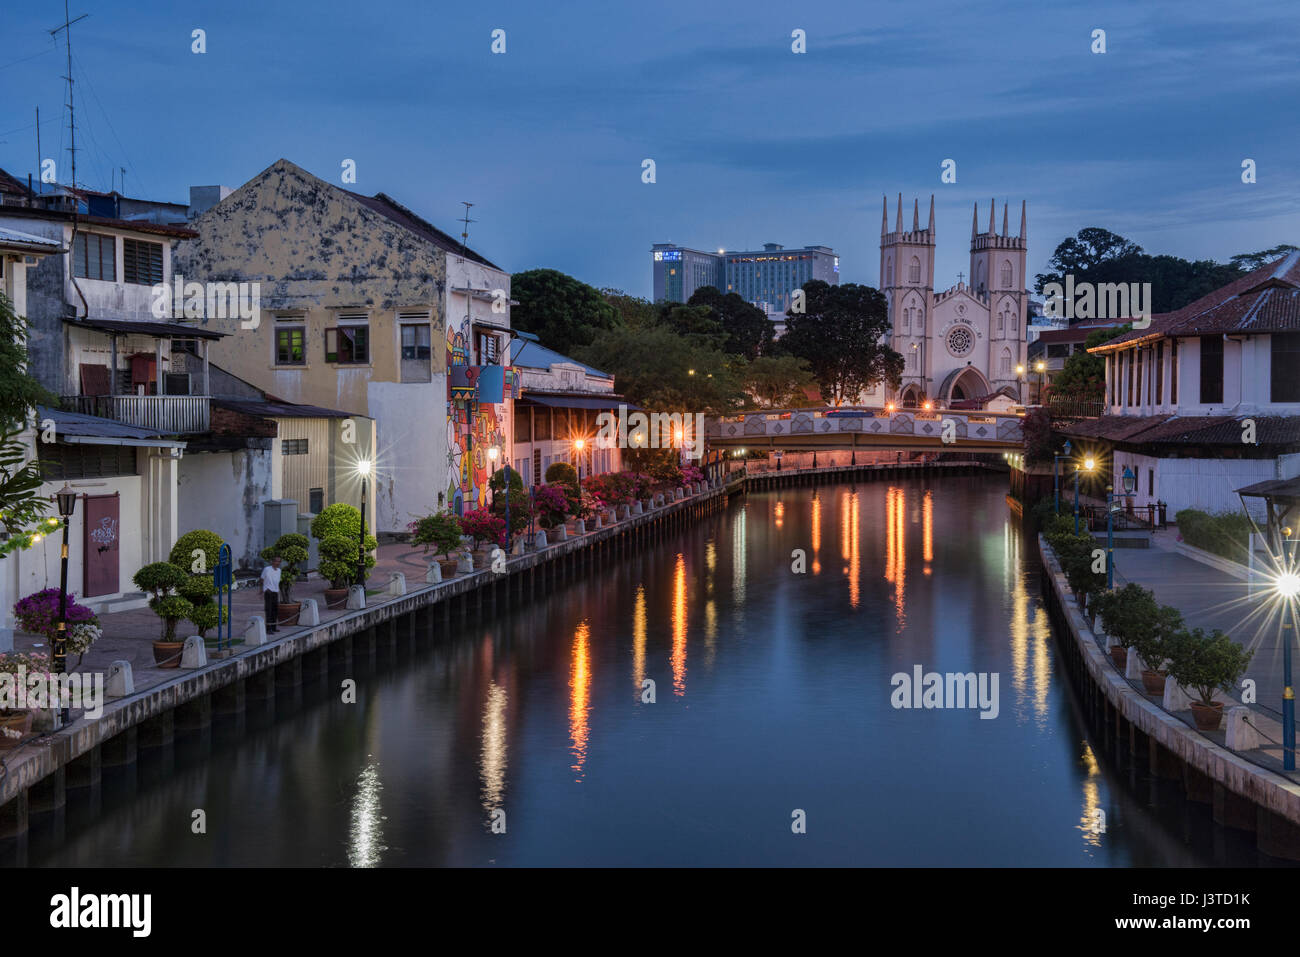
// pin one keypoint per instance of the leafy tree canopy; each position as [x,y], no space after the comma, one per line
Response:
[843,335]
[561,311]
[746,329]
[653,368]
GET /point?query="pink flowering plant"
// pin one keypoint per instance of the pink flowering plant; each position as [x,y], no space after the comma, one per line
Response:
[691,475]
[484,527]
[551,505]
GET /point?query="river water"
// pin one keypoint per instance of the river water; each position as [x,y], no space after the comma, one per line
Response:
[772,633]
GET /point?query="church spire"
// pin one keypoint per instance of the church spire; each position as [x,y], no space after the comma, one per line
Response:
[884,214]
[916,215]
[931,228]
[974,219]
[898,217]
[993,210]
[1004,220]
[1022,219]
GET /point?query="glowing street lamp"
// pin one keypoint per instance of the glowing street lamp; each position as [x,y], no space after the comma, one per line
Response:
[67,501]
[1056,474]
[363,469]
[1040,367]
[1088,465]
[1287,587]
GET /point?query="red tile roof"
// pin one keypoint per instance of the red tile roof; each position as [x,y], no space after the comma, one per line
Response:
[1270,430]
[1266,300]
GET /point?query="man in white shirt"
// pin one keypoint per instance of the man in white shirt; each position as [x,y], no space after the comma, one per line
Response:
[271,594]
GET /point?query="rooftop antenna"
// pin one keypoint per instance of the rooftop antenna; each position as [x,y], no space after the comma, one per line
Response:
[464,236]
[66,25]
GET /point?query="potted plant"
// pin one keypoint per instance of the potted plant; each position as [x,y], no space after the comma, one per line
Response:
[1205,664]
[564,476]
[1151,641]
[160,580]
[38,614]
[485,530]
[551,505]
[17,722]
[291,549]
[441,532]
[196,554]
[1126,612]
[338,528]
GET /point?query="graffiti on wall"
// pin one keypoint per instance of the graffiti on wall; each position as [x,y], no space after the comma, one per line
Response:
[473,425]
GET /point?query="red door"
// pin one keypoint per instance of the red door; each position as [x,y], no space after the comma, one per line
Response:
[102,545]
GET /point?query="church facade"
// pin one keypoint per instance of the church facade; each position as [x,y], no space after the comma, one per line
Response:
[966,343]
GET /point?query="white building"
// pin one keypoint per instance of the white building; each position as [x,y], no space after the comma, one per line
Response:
[1206,400]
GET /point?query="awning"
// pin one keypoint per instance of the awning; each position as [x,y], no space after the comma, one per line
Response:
[578,401]
[77,429]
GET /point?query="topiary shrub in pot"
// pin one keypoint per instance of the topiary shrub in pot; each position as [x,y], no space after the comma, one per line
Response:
[196,554]
[336,525]
[1150,637]
[1125,613]
[1204,664]
[161,580]
[442,533]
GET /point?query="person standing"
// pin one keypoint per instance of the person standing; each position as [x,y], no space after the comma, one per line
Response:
[271,594]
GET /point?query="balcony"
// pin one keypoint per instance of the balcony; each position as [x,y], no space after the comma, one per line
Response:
[165,414]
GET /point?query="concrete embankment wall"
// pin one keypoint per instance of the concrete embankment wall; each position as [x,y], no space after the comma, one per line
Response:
[1244,795]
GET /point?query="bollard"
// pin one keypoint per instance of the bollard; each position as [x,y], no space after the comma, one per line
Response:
[539,541]
[255,633]
[195,653]
[1176,699]
[1133,667]
[599,522]
[638,508]
[356,597]
[624,511]
[561,532]
[680,494]
[465,564]
[1242,735]
[120,682]
[397,584]
[582,527]
[310,613]
[434,575]
[517,548]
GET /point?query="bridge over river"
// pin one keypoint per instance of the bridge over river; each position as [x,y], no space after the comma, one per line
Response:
[865,428]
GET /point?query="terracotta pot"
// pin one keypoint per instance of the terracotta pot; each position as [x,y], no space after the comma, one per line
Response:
[448,566]
[1153,681]
[1209,716]
[1119,655]
[335,598]
[164,650]
[20,721]
[288,612]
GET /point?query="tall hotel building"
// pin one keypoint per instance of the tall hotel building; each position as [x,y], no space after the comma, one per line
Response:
[765,277]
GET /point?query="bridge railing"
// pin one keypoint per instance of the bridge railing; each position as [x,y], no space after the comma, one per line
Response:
[970,426]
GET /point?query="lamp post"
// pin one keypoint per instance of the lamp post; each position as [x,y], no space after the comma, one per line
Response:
[1129,481]
[1088,465]
[363,469]
[1056,474]
[1040,367]
[1020,384]
[1287,587]
[67,500]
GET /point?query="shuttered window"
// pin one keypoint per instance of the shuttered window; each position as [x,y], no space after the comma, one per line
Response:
[60,462]
[142,262]
[95,257]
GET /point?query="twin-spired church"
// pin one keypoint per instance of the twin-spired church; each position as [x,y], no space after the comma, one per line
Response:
[964,343]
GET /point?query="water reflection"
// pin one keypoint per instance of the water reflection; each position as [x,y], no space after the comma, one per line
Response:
[365,846]
[1090,821]
[679,626]
[638,640]
[492,755]
[816,532]
[580,697]
[896,550]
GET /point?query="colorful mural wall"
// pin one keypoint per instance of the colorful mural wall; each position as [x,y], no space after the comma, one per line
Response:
[474,424]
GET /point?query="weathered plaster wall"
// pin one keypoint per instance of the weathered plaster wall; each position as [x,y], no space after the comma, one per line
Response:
[224,492]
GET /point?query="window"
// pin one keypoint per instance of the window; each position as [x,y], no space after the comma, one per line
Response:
[489,349]
[293,446]
[1211,370]
[416,362]
[1002,318]
[1006,274]
[1138,356]
[316,498]
[62,462]
[289,338]
[1129,389]
[1160,374]
[95,257]
[142,263]
[1151,482]
[1058,350]
[914,270]
[347,344]
[1006,363]
[523,426]
[1285,384]
[1173,373]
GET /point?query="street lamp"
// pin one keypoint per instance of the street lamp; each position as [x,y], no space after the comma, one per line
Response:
[1287,587]
[363,469]
[1129,481]
[67,500]
[1056,474]
[1020,384]
[1040,367]
[1088,465]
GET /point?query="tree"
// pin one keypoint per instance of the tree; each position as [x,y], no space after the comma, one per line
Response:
[1083,376]
[21,504]
[843,334]
[698,324]
[746,328]
[778,381]
[1084,252]
[653,368]
[632,310]
[1249,262]
[561,311]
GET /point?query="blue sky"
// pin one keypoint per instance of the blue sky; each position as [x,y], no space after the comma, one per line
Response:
[752,143]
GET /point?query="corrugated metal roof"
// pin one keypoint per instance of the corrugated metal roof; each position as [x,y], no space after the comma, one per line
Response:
[534,355]
[161,330]
[13,237]
[573,400]
[283,410]
[77,424]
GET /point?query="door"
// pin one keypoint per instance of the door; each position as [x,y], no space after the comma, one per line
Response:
[102,545]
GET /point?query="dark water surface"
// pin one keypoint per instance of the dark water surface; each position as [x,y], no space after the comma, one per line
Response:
[773,694]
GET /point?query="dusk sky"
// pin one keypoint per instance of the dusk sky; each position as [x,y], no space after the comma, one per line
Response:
[752,142]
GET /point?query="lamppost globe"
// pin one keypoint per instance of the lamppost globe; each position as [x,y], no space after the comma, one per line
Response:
[1040,366]
[1287,585]
[363,468]
[579,444]
[1089,464]
[493,453]
[67,499]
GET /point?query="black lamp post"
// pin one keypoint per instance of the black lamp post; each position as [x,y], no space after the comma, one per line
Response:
[67,500]
[363,468]
[1040,367]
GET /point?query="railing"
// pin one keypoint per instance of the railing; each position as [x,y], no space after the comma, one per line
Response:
[1132,518]
[967,426]
[1071,407]
[165,414]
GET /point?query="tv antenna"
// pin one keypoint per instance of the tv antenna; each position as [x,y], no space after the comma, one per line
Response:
[464,236]
[66,25]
